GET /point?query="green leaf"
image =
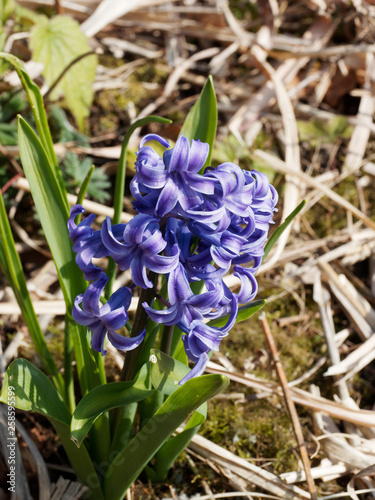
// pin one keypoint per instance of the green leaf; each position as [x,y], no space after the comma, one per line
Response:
[56,44]
[12,268]
[37,106]
[279,231]
[53,213]
[166,372]
[244,313]
[104,398]
[201,122]
[34,391]
[130,461]
[175,445]
[6,9]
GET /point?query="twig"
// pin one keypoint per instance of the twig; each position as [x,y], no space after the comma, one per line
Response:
[290,405]
[65,70]
[278,165]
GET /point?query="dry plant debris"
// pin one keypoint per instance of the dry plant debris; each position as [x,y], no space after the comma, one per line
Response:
[295,85]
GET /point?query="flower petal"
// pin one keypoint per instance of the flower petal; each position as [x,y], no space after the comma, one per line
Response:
[125,343]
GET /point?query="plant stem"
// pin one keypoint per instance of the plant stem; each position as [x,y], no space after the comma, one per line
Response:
[68,369]
[120,186]
[166,339]
[140,321]
[121,424]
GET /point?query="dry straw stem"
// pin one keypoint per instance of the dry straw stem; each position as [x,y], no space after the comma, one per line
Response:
[280,166]
[335,444]
[91,206]
[290,405]
[337,410]
[251,473]
[361,133]
[323,298]
[292,153]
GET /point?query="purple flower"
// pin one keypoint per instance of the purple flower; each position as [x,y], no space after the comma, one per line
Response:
[165,185]
[87,243]
[188,312]
[201,338]
[190,227]
[139,248]
[107,318]
[185,306]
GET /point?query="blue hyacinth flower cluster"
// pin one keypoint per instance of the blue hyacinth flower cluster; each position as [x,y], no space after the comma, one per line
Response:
[190,226]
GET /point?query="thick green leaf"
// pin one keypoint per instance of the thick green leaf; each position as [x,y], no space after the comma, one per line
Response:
[12,268]
[166,372]
[36,102]
[52,210]
[279,231]
[244,313]
[104,398]
[6,9]
[175,445]
[34,391]
[56,44]
[201,122]
[131,460]
[53,214]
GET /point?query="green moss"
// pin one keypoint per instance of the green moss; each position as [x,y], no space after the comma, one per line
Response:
[327,217]
[261,429]
[255,430]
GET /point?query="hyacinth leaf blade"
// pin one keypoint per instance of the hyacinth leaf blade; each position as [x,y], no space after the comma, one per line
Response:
[51,209]
[36,103]
[201,122]
[107,397]
[166,372]
[53,214]
[244,312]
[178,349]
[175,445]
[35,392]
[49,202]
[12,269]
[279,231]
[174,411]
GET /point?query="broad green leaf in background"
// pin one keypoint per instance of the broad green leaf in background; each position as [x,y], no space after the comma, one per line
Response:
[56,44]
[171,449]
[279,231]
[201,122]
[35,392]
[128,463]
[52,210]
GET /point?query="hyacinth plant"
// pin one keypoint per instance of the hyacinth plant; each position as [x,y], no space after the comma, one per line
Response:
[194,225]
